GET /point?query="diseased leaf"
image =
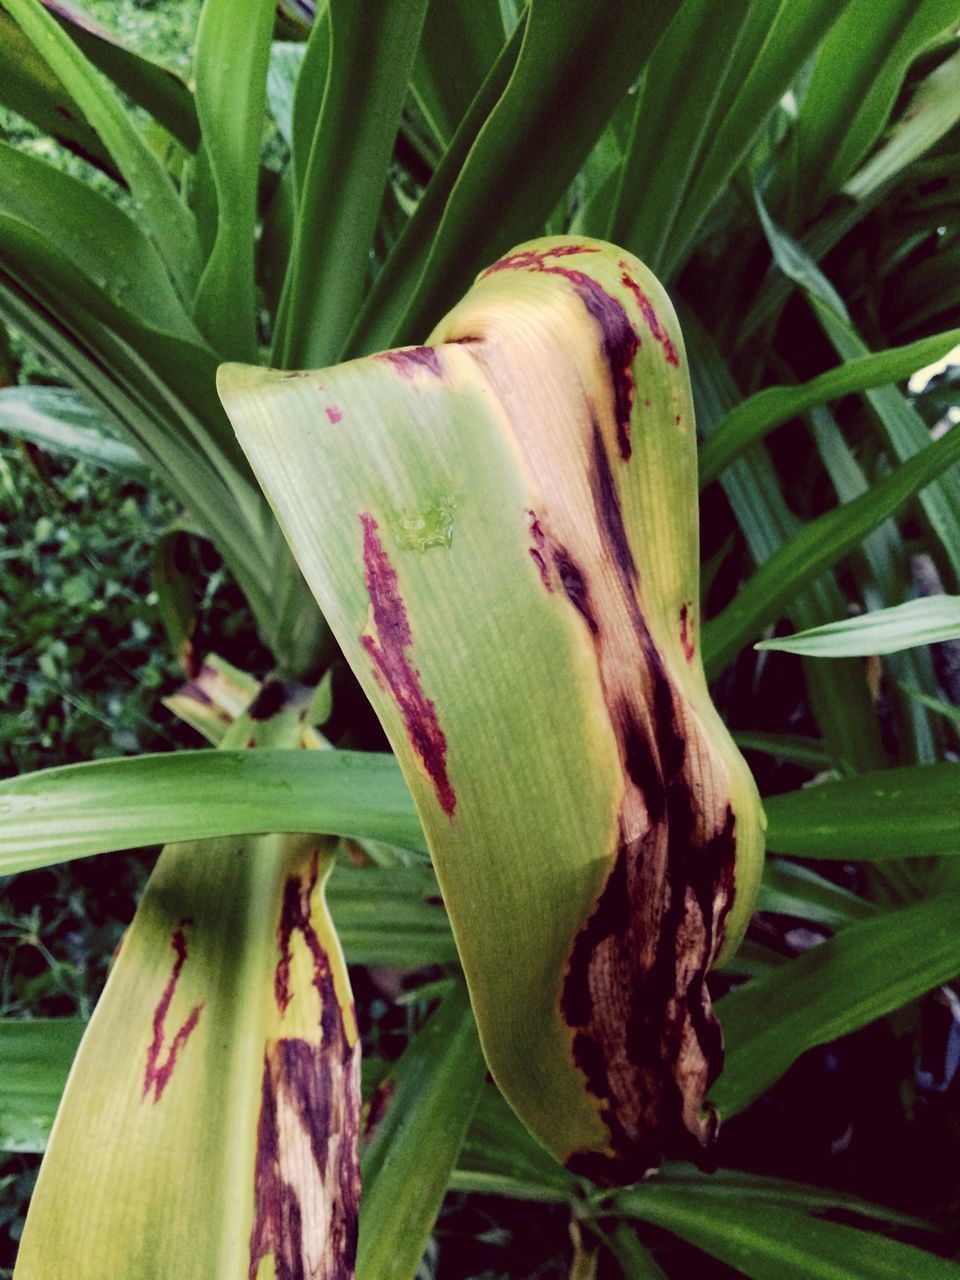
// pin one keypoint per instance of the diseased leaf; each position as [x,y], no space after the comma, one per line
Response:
[507,554]
[224,1052]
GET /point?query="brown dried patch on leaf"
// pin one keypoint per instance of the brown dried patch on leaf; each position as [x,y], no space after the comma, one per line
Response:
[307,1172]
[307,1175]
[635,994]
[159,1068]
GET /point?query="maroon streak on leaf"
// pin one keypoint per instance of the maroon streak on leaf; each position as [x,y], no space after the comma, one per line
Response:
[307,1171]
[653,320]
[412,360]
[687,640]
[157,1074]
[388,649]
[538,549]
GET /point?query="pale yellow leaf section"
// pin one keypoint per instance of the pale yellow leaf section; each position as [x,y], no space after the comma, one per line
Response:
[220,1065]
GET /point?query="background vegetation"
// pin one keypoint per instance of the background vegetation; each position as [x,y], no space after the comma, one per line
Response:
[92,642]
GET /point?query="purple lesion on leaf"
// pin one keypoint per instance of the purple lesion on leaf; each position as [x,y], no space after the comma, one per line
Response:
[307,1162]
[157,1072]
[618,338]
[410,361]
[388,651]
[296,917]
[651,318]
[687,635]
[538,550]
[334,412]
[575,587]
[307,1158]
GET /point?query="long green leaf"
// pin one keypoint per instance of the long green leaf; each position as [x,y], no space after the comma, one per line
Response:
[774,49]
[933,110]
[340,200]
[149,84]
[574,66]
[895,813]
[445,86]
[770,1242]
[870,968]
[788,889]
[233,50]
[904,626]
[842,705]
[168,220]
[819,545]
[417,1121]
[29,87]
[35,1057]
[64,423]
[904,429]
[671,129]
[884,577]
[78,810]
[390,916]
[120,264]
[856,77]
[396,282]
[760,413]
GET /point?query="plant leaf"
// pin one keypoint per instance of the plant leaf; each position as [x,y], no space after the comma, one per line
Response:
[575,64]
[750,420]
[929,620]
[36,1055]
[856,76]
[771,1242]
[149,84]
[63,423]
[417,1120]
[870,968]
[894,813]
[77,810]
[233,50]
[367,76]
[492,581]
[819,545]
[224,1051]
[168,220]
[932,112]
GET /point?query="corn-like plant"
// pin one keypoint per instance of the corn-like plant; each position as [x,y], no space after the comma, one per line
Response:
[459,445]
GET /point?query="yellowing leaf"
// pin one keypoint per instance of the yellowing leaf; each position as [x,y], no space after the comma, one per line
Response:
[501,529]
[210,1123]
